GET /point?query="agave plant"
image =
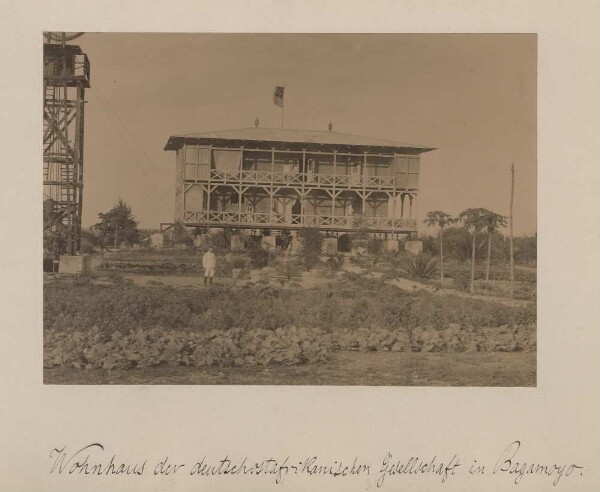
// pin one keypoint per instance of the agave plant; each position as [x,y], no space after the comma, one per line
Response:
[419,266]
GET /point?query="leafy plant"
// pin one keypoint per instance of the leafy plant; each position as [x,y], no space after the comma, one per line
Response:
[238,262]
[393,258]
[334,263]
[418,266]
[221,239]
[259,258]
[312,244]
[149,347]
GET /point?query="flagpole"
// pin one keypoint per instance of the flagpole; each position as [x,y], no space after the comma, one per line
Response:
[282,113]
[512,253]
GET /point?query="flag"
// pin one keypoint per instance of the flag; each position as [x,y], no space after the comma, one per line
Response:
[278,96]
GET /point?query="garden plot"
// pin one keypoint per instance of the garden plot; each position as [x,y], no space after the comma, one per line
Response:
[122,327]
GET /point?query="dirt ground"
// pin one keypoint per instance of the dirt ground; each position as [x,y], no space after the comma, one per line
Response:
[515,369]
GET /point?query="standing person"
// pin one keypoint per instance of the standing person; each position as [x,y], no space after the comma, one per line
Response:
[209,262]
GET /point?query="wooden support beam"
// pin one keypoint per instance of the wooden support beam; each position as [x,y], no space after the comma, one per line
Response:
[334,193]
[303,199]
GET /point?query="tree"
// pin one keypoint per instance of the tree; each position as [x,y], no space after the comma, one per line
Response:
[526,249]
[441,220]
[118,224]
[474,221]
[312,245]
[89,239]
[180,235]
[493,222]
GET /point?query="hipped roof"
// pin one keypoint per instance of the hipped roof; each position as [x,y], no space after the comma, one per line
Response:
[275,137]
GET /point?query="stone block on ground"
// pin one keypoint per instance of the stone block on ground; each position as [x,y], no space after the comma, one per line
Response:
[73,264]
[330,246]
[391,245]
[157,240]
[237,243]
[269,243]
[295,246]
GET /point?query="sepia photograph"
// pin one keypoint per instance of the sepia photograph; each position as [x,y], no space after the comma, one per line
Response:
[290,209]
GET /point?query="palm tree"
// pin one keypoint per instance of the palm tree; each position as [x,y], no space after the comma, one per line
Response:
[493,222]
[441,220]
[474,220]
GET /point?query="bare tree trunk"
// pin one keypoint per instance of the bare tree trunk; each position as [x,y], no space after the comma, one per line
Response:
[473,265]
[489,257]
[441,257]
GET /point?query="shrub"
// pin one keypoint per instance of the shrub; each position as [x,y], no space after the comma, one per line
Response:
[419,266]
[312,245]
[375,246]
[252,242]
[259,258]
[393,259]
[220,240]
[334,263]
[238,262]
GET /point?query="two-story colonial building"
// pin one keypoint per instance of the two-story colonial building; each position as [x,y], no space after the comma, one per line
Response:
[283,180]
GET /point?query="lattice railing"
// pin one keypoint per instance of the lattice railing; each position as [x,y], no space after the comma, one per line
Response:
[310,180]
[274,219]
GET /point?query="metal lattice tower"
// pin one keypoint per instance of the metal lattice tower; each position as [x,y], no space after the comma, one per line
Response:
[66,76]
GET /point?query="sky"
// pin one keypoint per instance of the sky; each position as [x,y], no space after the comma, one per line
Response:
[471,96]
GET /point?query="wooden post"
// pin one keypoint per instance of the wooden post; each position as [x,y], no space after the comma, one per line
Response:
[402,196]
[473,261]
[209,187]
[272,161]
[303,191]
[271,187]
[442,256]
[333,199]
[489,260]
[512,256]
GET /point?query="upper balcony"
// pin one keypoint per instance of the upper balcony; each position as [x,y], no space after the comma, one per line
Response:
[403,181]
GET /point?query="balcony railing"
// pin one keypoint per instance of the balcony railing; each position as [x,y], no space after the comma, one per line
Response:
[277,220]
[309,180]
